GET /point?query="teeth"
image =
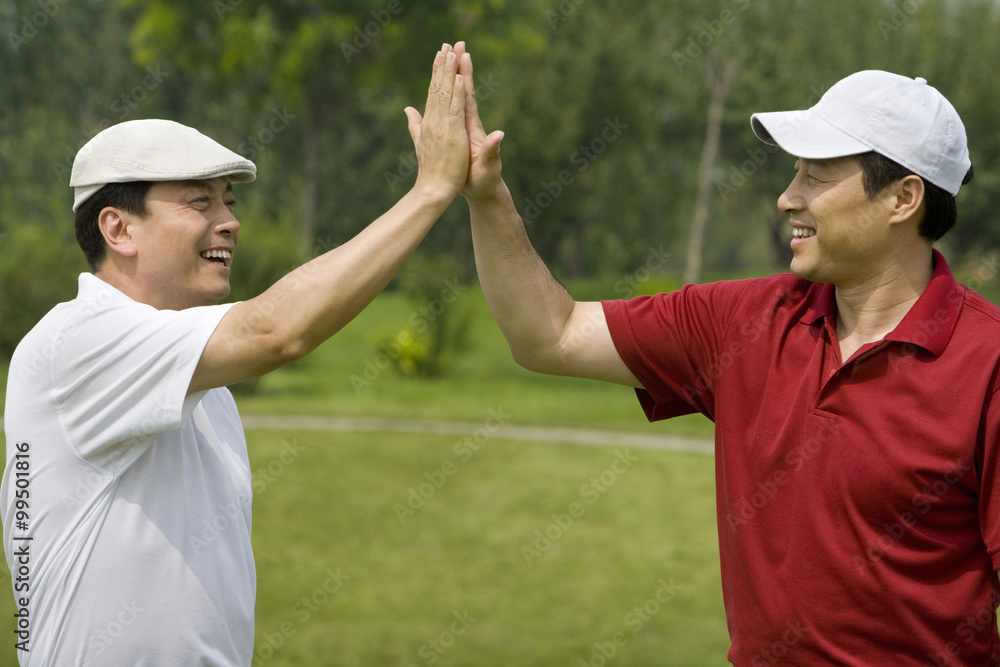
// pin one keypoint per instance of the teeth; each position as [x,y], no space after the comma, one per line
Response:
[217,254]
[802,233]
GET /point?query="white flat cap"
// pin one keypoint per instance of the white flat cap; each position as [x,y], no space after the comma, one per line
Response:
[152,150]
[904,119]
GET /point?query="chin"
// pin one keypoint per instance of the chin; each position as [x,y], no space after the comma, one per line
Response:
[805,271]
[211,297]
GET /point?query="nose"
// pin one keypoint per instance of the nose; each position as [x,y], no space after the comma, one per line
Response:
[227,224]
[791,199]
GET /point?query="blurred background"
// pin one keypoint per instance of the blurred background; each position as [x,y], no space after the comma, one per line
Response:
[629,154]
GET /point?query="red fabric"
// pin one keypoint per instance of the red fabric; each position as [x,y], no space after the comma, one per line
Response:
[856,513]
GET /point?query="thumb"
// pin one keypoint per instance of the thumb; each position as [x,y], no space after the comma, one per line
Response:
[413,123]
[491,145]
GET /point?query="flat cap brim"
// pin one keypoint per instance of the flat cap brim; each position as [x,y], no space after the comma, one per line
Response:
[153,150]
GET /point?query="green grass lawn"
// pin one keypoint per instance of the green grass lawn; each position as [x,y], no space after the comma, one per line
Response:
[413,549]
[346,577]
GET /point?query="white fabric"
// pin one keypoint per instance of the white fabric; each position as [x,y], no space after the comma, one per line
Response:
[903,119]
[139,495]
[152,150]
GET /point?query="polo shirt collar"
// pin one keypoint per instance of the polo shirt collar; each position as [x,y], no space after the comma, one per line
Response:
[928,324]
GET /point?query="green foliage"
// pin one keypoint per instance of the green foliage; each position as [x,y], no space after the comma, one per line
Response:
[38,269]
[438,329]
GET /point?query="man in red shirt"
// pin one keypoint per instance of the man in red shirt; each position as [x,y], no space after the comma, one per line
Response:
[857,433]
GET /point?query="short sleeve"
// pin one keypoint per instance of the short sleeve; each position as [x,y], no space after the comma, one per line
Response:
[672,343]
[121,376]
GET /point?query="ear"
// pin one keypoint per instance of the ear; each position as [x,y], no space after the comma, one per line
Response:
[907,199]
[114,226]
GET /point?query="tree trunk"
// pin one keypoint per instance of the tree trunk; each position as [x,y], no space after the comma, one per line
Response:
[718,85]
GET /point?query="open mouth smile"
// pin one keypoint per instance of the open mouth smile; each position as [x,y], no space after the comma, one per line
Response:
[221,257]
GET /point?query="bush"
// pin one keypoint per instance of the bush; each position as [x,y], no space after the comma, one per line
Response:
[38,269]
[438,328]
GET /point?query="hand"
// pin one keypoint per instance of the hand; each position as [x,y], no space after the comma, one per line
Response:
[440,135]
[484,150]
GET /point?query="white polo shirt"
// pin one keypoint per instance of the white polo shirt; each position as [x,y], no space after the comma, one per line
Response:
[138,496]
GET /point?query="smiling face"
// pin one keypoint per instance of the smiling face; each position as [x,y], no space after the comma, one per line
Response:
[181,254]
[839,234]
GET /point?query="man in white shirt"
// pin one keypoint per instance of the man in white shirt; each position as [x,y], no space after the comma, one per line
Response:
[123,445]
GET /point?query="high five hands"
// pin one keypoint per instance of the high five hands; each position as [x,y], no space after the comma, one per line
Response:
[454,153]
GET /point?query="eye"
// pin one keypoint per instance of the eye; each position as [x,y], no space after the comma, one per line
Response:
[231,204]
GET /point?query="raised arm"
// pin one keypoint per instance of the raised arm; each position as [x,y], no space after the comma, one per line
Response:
[312,303]
[547,330]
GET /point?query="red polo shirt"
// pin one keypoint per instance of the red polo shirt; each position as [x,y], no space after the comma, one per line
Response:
[856,517]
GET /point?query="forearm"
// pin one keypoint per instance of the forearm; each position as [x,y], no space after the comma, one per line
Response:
[531,308]
[313,302]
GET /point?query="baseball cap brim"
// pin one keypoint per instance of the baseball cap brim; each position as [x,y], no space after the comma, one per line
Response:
[805,134]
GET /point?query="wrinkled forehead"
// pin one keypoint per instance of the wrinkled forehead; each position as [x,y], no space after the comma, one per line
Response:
[190,188]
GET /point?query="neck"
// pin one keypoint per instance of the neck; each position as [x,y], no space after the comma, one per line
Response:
[126,283]
[869,310]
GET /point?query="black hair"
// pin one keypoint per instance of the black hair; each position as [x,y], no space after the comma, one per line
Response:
[129,197]
[940,210]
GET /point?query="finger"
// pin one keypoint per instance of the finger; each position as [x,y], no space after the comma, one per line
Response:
[473,123]
[439,100]
[491,145]
[413,123]
[439,59]
[437,73]
[458,99]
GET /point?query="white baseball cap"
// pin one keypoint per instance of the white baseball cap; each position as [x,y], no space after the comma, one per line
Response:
[152,150]
[903,119]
